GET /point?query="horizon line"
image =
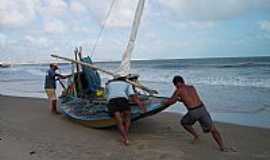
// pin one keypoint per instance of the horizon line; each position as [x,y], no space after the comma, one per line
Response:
[117,61]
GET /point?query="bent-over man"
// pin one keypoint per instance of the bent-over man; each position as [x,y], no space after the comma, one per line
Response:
[118,93]
[188,95]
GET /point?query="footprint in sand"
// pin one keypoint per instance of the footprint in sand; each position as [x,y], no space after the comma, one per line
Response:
[141,146]
[160,154]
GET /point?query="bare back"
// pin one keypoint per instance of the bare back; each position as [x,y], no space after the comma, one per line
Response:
[189,96]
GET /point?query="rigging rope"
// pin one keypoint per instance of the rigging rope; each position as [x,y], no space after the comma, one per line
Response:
[102,28]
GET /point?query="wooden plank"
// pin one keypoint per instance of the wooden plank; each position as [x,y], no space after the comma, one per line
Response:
[150,91]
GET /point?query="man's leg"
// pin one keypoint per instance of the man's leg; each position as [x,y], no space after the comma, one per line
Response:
[54,106]
[52,100]
[191,130]
[187,123]
[50,104]
[127,120]
[217,137]
[120,126]
[207,125]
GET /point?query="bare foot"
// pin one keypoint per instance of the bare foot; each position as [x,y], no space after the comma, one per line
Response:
[233,149]
[56,112]
[195,140]
[125,142]
[223,149]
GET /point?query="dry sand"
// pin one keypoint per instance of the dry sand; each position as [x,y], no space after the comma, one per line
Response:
[29,132]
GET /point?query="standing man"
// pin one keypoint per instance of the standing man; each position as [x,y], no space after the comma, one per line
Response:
[50,87]
[188,95]
[118,93]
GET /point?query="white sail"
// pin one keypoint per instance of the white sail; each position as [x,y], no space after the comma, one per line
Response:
[124,68]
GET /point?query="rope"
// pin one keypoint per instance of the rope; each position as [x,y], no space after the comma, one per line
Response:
[102,28]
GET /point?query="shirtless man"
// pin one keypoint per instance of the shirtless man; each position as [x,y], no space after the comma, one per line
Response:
[188,95]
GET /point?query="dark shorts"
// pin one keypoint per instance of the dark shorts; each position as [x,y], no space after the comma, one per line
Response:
[198,114]
[118,105]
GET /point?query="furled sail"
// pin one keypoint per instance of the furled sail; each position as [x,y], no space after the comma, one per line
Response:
[124,68]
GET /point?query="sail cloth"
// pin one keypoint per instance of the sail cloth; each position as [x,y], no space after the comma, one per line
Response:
[124,68]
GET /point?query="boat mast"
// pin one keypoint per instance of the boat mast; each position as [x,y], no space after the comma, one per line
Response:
[124,68]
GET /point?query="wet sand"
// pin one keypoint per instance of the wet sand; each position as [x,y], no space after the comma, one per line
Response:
[28,131]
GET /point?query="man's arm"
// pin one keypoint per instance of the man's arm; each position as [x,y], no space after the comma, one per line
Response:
[170,101]
[62,76]
[130,92]
[139,103]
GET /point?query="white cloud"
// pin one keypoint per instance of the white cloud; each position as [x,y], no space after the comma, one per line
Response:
[265,25]
[79,17]
[54,26]
[17,12]
[81,29]
[122,13]
[52,8]
[212,10]
[261,4]
[77,7]
[195,25]
[22,12]
[37,41]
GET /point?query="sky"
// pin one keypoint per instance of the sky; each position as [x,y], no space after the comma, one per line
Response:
[31,30]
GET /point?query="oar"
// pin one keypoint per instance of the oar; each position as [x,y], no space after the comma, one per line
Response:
[150,91]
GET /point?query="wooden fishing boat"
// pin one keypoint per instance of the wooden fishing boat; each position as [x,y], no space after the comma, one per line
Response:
[94,113]
[84,100]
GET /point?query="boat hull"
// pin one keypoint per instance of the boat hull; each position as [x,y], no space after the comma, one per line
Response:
[95,113]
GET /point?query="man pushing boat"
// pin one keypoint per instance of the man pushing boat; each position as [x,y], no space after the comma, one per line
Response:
[196,111]
[118,93]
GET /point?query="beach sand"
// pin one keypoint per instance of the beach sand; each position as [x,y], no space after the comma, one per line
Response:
[29,132]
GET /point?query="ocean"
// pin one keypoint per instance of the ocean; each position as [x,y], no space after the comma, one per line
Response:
[235,90]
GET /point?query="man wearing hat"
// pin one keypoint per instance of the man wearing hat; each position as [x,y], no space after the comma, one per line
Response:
[118,94]
[50,87]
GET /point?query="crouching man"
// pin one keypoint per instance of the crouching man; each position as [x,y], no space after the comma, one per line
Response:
[118,92]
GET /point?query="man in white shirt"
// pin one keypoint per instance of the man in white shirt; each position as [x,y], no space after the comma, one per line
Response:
[118,93]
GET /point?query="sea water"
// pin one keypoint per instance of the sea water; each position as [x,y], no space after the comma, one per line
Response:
[235,90]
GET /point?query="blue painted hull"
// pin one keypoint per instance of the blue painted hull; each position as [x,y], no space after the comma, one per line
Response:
[94,113]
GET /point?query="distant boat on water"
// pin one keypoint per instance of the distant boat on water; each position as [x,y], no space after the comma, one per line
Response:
[4,65]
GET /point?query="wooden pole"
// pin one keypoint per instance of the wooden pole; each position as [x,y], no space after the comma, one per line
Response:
[78,80]
[80,53]
[150,91]
[73,77]
[76,58]
[83,63]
